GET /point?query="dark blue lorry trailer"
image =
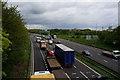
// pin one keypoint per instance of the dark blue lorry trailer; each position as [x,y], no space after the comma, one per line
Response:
[65,54]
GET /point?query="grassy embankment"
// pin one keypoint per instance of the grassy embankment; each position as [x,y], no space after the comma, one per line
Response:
[22,68]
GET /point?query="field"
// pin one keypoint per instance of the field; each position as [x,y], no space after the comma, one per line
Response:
[95,42]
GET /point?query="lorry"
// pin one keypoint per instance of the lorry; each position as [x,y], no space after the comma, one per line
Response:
[53,36]
[65,54]
[43,44]
[42,75]
[52,61]
[115,53]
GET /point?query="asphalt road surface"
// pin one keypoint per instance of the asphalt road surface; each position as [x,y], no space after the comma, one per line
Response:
[96,54]
[39,63]
[78,71]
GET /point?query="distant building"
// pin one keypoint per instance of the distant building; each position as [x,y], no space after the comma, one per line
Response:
[88,37]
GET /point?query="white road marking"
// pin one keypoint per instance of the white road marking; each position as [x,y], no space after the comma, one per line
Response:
[87,72]
[114,60]
[43,58]
[67,76]
[84,75]
[77,77]
[74,66]
[37,45]
[87,66]
[73,73]
[93,75]
[105,61]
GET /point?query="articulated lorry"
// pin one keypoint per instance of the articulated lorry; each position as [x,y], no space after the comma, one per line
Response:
[115,53]
[55,67]
[65,54]
[52,61]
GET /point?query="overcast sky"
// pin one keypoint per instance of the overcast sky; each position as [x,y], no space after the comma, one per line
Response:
[69,15]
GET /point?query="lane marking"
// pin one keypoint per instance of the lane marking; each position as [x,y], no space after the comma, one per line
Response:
[114,60]
[73,73]
[88,67]
[84,75]
[77,77]
[105,61]
[88,72]
[44,60]
[43,57]
[93,75]
[37,44]
[74,66]
[67,76]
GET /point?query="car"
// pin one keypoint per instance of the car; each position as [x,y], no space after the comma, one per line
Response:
[50,41]
[58,42]
[86,52]
[38,39]
[101,77]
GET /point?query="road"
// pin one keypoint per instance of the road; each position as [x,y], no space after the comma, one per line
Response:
[78,71]
[96,54]
[39,61]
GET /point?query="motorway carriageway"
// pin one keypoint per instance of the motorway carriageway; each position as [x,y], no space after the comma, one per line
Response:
[96,54]
[78,71]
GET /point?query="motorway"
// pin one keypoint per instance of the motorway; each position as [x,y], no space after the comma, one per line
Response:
[78,71]
[96,54]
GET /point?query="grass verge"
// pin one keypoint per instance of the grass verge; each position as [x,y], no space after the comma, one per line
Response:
[95,42]
[98,67]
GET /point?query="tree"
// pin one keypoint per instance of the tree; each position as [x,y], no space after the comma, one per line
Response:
[110,36]
[14,32]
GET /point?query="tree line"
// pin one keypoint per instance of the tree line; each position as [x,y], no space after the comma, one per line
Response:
[15,41]
[108,37]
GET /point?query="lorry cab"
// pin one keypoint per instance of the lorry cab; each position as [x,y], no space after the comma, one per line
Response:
[43,44]
[42,75]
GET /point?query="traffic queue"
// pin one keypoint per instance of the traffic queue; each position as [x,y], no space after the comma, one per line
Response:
[61,56]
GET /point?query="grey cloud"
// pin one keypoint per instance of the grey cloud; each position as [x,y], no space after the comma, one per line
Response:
[70,15]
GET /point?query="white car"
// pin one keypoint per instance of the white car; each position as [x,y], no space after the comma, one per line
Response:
[50,41]
[38,39]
